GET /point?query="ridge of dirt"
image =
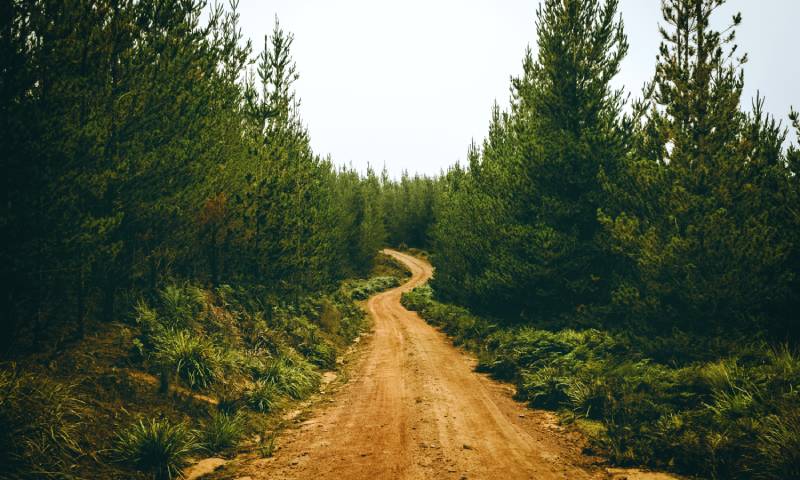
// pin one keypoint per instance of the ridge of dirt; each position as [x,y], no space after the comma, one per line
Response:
[414,408]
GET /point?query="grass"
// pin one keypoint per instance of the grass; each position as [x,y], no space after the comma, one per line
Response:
[40,421]
[219,341]
[779,446]
[736,416]
[240,345]
[388,266]
[263,397]
[191,357]
[267,445]
[157,447]
[292,376]
[181,305]
[222,431]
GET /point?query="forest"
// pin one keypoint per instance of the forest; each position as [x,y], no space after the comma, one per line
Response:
[143,145]
[160,192]
[631,263]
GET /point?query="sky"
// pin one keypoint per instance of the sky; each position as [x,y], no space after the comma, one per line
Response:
[408,84]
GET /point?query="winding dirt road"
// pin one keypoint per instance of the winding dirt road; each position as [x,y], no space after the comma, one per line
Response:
[415,409]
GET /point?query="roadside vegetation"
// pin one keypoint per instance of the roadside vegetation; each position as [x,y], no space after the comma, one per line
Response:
[192,372]
[736,416]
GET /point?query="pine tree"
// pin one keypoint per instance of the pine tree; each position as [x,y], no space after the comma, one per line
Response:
[701,238]
[536,186]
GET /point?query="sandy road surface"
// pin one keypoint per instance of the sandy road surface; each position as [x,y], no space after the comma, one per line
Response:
[415,409]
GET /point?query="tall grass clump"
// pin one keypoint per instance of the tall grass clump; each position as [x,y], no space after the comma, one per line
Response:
[263,396]
[157,447]
[292,376]
[319,352]
[181,305]
[40,422]
[222,431]
[190,357]
[779,446]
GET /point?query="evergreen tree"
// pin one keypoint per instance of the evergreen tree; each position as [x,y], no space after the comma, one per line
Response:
[538,176]
[701,236]
[136,154]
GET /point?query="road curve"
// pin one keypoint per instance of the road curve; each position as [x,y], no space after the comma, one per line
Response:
[415,409]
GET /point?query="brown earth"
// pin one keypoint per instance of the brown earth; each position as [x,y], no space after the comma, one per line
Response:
[415,409]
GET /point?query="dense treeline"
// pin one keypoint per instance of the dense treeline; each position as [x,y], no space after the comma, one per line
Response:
[678,211]
[408,209]
[142,141]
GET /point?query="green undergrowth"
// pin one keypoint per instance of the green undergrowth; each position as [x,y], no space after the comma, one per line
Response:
[192,372]
[40,422]
[157,448]
[388,266]
[736,416]
[388,273]
[365,289]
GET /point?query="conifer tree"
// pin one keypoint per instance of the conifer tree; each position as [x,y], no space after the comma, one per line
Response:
[538,177]
[136,154]
[700,236]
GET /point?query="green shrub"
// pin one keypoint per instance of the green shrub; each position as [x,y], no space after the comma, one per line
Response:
[320,352]
[632,409]
[544,388]
[388,266]
[39,426]
[585,396]
[222,431]
[366,288]
[330,317]
[147,319]
[418,299]
[190,357]
[352,320]
[157,447]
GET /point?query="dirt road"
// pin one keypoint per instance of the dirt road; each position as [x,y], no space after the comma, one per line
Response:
[415,409]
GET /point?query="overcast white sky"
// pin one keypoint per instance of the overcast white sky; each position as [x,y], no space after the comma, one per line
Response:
[408,84]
